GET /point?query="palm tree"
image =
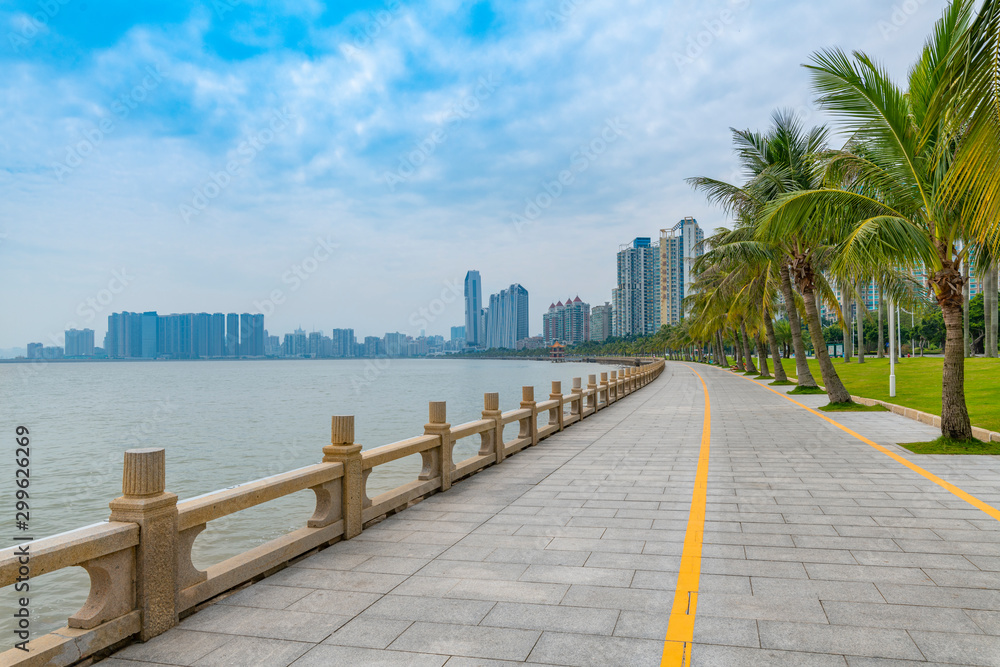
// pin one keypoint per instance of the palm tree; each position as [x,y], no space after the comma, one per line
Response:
[904,209]
[775,163]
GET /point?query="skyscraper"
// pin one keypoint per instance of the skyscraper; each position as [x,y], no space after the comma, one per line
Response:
[567,322]
[637,298]
[256,335]
[507,318]
[200,333]
[600,322]
[79,343]
[232,335]
[458,333]
[679,247]
[217,335]
[473,308]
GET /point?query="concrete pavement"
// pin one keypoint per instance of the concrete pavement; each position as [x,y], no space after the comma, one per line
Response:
[818,549]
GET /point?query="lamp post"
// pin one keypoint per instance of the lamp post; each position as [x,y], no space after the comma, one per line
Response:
[892,352]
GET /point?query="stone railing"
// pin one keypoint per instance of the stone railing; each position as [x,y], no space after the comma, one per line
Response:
[142,579]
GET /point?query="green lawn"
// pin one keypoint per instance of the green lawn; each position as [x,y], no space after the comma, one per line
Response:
[918,384]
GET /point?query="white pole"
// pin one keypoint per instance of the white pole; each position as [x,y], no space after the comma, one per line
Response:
[892,351]
[899,332]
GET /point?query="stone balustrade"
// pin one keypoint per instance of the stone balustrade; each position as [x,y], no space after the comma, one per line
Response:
[142,579]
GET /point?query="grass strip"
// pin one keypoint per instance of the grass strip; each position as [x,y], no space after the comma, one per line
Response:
[945,445]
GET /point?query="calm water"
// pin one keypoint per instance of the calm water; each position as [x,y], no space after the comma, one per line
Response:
[222,423]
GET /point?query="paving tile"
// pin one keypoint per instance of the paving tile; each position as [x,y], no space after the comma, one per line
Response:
[266,597]
[581,649]
[325,655]
[254,651]
[904,617]
[838,639]
[341,603]
[508,591]
[761,607]
[337,580]
[267,623]
[556,618]
[467,640]
[410,608]
[958,648]
[558,574]
[941,596]
[178,647]
[391,565]
[538,557]
[368,632]
[634,599]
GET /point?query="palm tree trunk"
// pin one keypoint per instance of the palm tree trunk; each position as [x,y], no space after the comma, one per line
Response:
[881,334]
[762,358]
[747,355]
[737,351]
[948,284]
[720,345]
[835,389]
[779,370]
[966,338]
[805,378]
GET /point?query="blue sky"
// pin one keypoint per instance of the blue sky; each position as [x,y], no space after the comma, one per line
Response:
[344,165]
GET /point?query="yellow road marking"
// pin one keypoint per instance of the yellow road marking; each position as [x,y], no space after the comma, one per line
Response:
[967,497]
[680,630]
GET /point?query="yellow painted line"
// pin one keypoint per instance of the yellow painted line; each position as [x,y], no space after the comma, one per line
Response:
[967,497]
[680,630]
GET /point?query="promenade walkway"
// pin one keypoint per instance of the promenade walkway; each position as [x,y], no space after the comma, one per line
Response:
[818,549]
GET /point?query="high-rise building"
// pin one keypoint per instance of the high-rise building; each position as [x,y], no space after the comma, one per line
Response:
[256,335]
[217,336]
[567,322]
[200,325]
[124,337]
[507,318]
[473,309]
[458,333]
[343,343]
[35,350]
[232,335]
[79,343]
[150,334]
[600,322]
[636,300]
[395,344]
[374,347]
[679,247]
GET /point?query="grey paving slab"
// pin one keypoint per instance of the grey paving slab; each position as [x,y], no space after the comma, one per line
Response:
[467,640]
[255,651]
[818,550]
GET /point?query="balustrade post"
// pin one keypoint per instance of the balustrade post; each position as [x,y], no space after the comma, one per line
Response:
[575,405]
[439,426]
[528,401]
[491,410]
[603,391]
[343,449]
[556,415]
[592,399]
[614,387]
[145,502]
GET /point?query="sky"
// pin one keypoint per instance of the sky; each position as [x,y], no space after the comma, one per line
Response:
[343,165]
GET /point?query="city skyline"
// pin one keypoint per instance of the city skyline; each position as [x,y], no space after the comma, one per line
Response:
[194,160]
